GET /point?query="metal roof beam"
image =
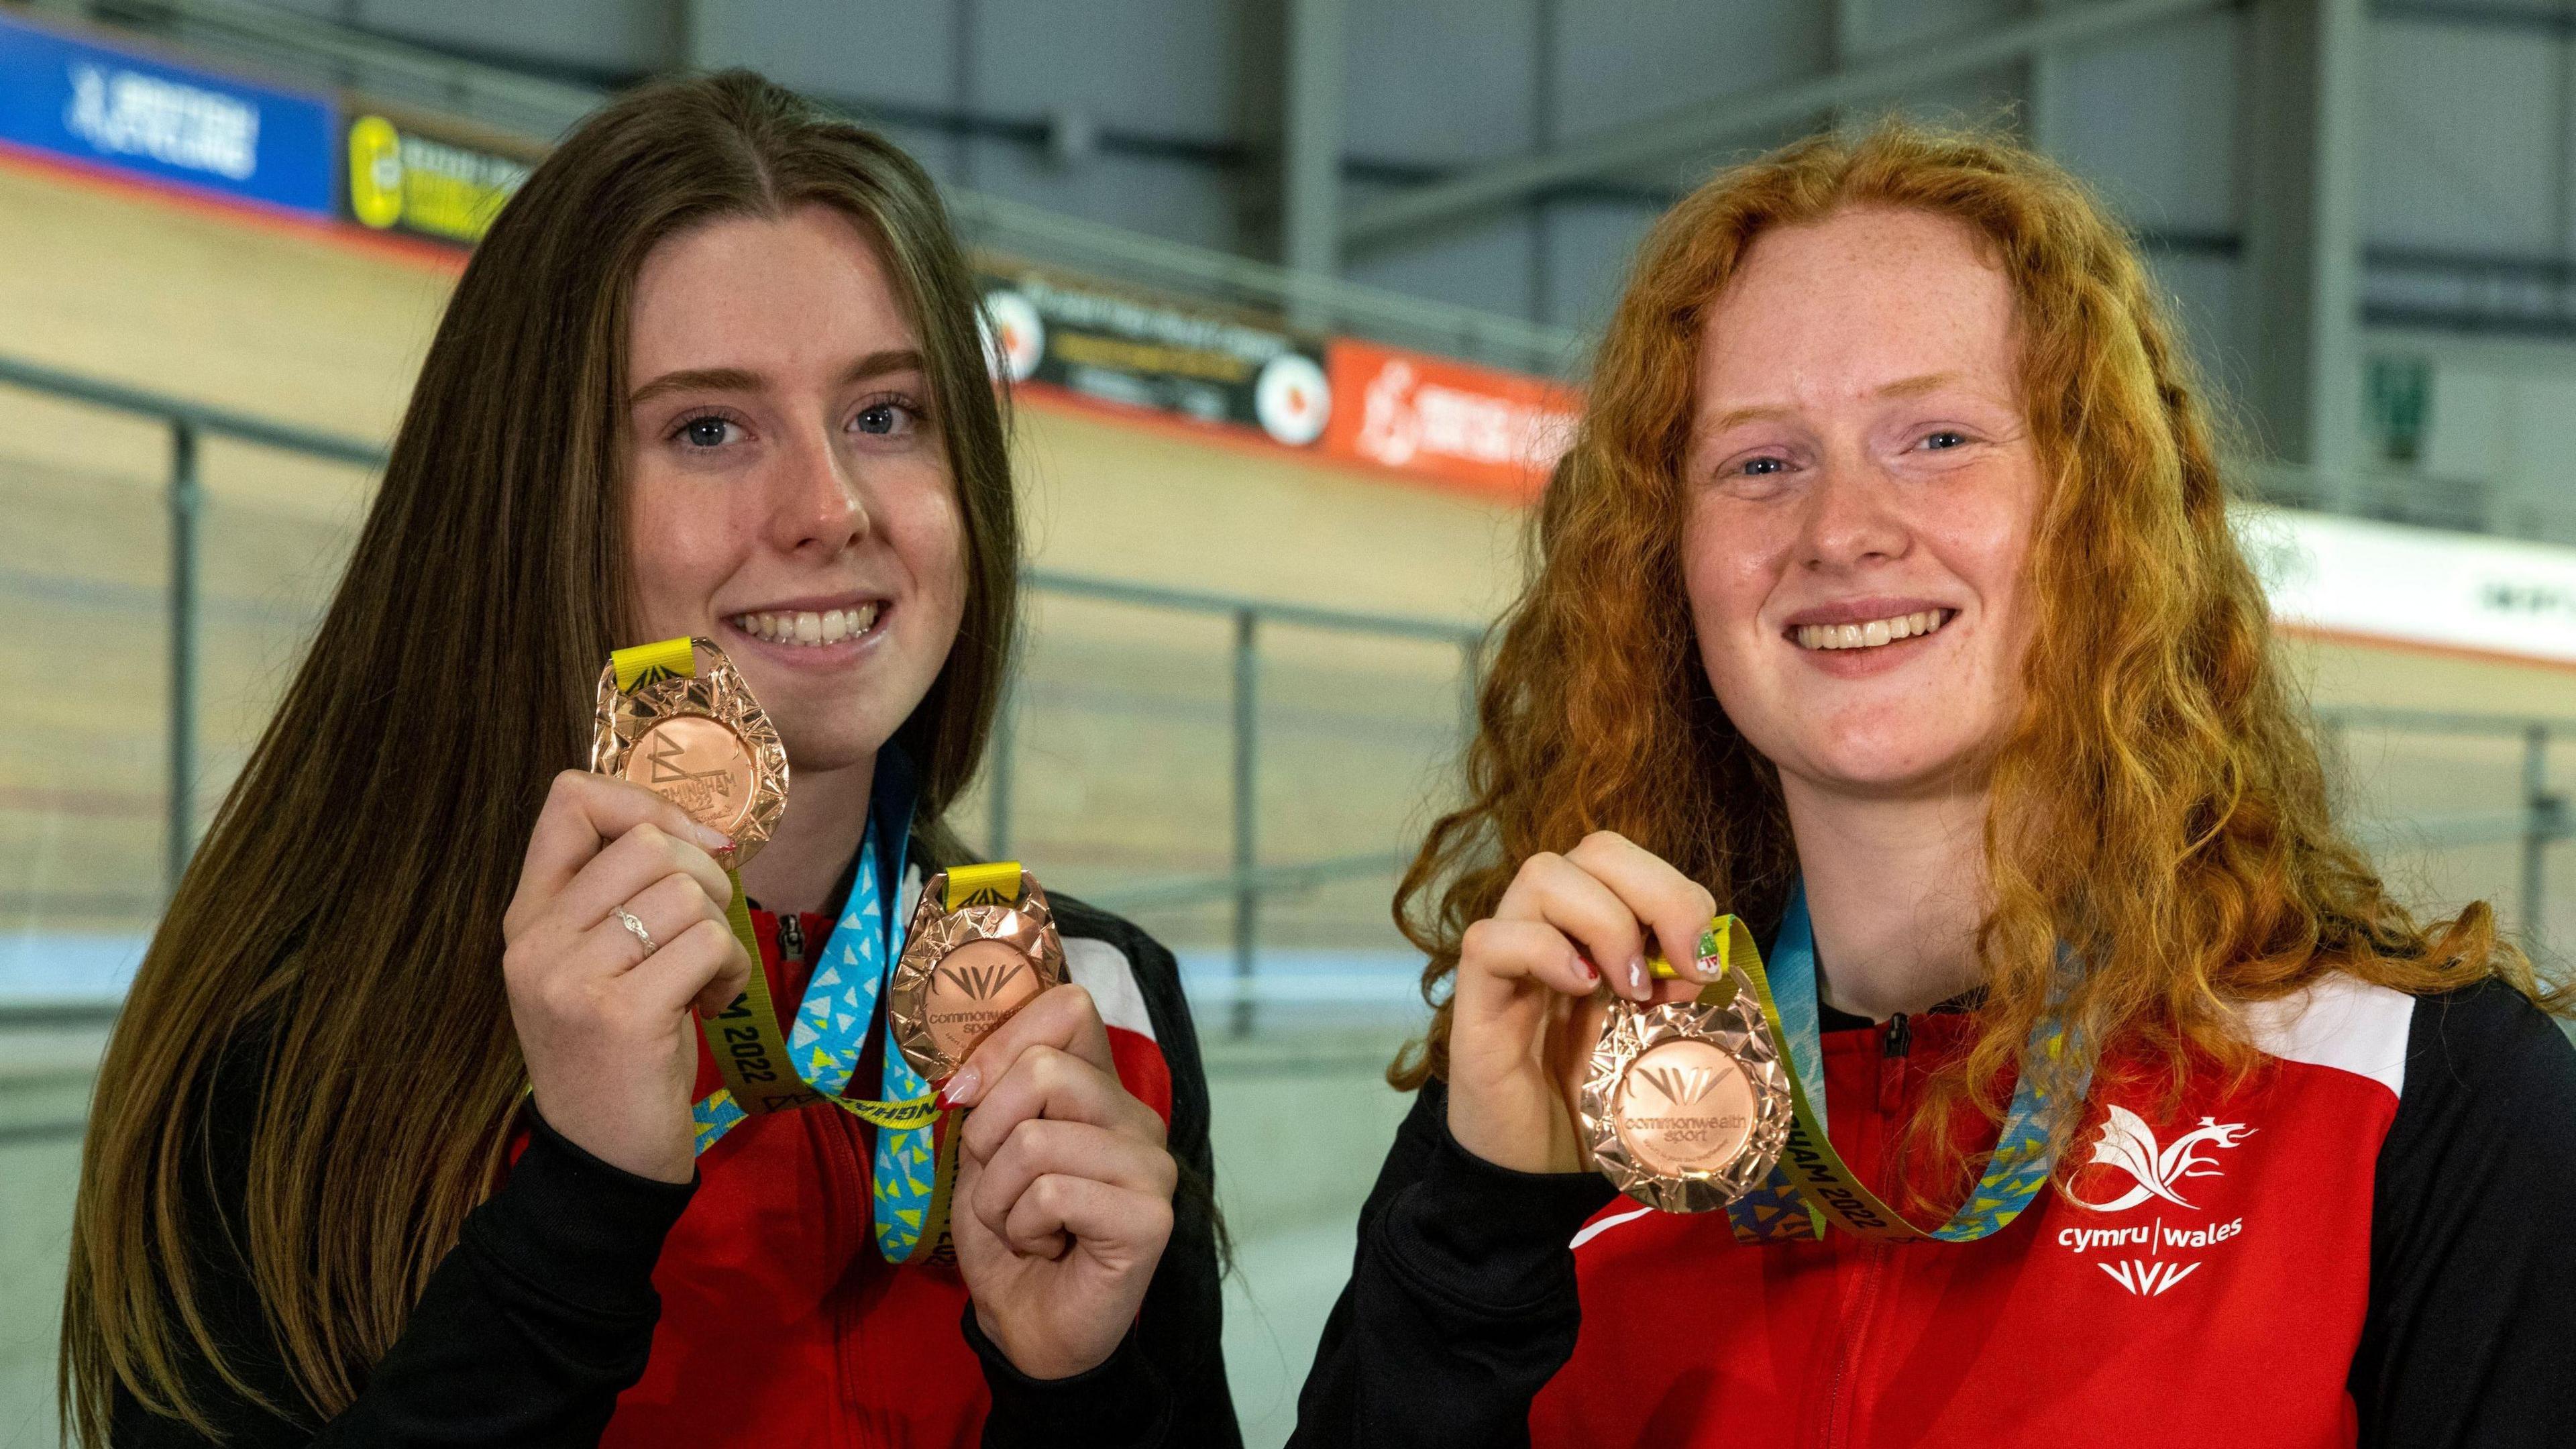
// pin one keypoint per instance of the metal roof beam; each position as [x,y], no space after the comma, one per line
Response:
[1676,135]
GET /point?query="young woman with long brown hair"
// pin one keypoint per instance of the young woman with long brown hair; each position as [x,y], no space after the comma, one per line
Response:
[406,1134]
[1888,600]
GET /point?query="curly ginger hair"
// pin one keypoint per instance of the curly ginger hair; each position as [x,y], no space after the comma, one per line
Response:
[2159,808]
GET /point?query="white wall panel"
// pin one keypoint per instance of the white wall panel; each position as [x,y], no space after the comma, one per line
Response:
[2469,127]
[1913,24]
[940,154]
[1623,60]
[1169,199]
[1484,264]
[1589,247]
[2200,296]
[1989,99]
[2463,139]
[624,35]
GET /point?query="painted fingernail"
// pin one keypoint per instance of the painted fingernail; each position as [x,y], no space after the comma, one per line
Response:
[710,838]
[961,1086]
[1586,969]
[1637,975]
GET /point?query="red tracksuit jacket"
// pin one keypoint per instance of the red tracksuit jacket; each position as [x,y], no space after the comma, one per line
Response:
[2366,1242]
[780,1323]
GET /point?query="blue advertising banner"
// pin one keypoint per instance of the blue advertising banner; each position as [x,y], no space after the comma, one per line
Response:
[94,104]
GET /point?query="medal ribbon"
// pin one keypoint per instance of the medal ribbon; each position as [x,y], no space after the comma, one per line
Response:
[1812,1184]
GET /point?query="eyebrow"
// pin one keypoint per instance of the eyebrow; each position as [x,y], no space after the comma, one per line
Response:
[1901,388]
[741,379]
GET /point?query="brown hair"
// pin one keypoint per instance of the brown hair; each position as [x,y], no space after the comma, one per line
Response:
[2159,807]
[337,937]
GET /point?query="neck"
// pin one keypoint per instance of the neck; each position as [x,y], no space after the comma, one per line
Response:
[1896,888]
[827,816]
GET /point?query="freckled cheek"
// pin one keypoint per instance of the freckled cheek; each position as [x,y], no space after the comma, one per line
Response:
[1730,570]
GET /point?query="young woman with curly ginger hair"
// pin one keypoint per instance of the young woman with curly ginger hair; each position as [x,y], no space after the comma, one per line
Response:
[1888,600]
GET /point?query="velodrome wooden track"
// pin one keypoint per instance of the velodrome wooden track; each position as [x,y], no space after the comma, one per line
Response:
[1123,771]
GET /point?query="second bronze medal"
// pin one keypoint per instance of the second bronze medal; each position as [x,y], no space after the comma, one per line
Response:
[982,943]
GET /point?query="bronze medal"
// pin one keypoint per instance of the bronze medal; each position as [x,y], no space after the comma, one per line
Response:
[689,730]
[1686,1106]
[676,718]
[981,943]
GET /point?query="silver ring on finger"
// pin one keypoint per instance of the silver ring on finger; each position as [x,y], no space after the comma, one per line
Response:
[635,927]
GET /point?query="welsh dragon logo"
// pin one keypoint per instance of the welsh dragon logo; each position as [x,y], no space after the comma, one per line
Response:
[2129,1144]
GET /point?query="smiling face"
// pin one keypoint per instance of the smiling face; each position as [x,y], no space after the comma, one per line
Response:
[1862,487]
[790,496]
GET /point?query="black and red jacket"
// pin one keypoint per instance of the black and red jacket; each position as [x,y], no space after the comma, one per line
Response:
[584,1305]
[2370,1241]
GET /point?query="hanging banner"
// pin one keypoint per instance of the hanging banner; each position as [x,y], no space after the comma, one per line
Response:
[1496,432]
[436,182]
[106,107]
[1151,354]
[2360,577]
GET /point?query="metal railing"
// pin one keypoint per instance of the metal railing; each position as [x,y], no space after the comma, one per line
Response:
[1249,879]
[1244,884]
[2539,820]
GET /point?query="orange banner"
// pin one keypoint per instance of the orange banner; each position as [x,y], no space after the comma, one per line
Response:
[1495,432]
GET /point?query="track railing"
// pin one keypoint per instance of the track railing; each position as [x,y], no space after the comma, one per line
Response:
[1248,880]
[2539,817]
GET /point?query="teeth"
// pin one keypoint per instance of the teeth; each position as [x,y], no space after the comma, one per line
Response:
[1873,633]
[809,627]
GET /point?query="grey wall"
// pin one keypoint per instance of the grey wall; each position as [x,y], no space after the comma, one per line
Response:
[1172,112]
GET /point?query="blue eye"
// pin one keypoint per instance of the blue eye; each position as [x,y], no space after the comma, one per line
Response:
[706,432]
[1945,439]
[1764,467]
[885,419]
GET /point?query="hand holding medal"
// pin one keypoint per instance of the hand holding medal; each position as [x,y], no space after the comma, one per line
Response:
[1064,1188]
[1526,1009]
[617,934]
[1700,1087]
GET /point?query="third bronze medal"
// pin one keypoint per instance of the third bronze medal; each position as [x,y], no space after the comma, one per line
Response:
[981,944]
[1700,1105]
[1687,1104]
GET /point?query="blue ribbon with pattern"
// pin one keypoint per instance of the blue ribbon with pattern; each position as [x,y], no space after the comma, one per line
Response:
[1811,1184]
[830,1034]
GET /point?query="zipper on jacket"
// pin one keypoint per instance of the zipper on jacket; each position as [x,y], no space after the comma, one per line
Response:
[1891,1063]
[791,937]
[1843,1394]
[1845,1388]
